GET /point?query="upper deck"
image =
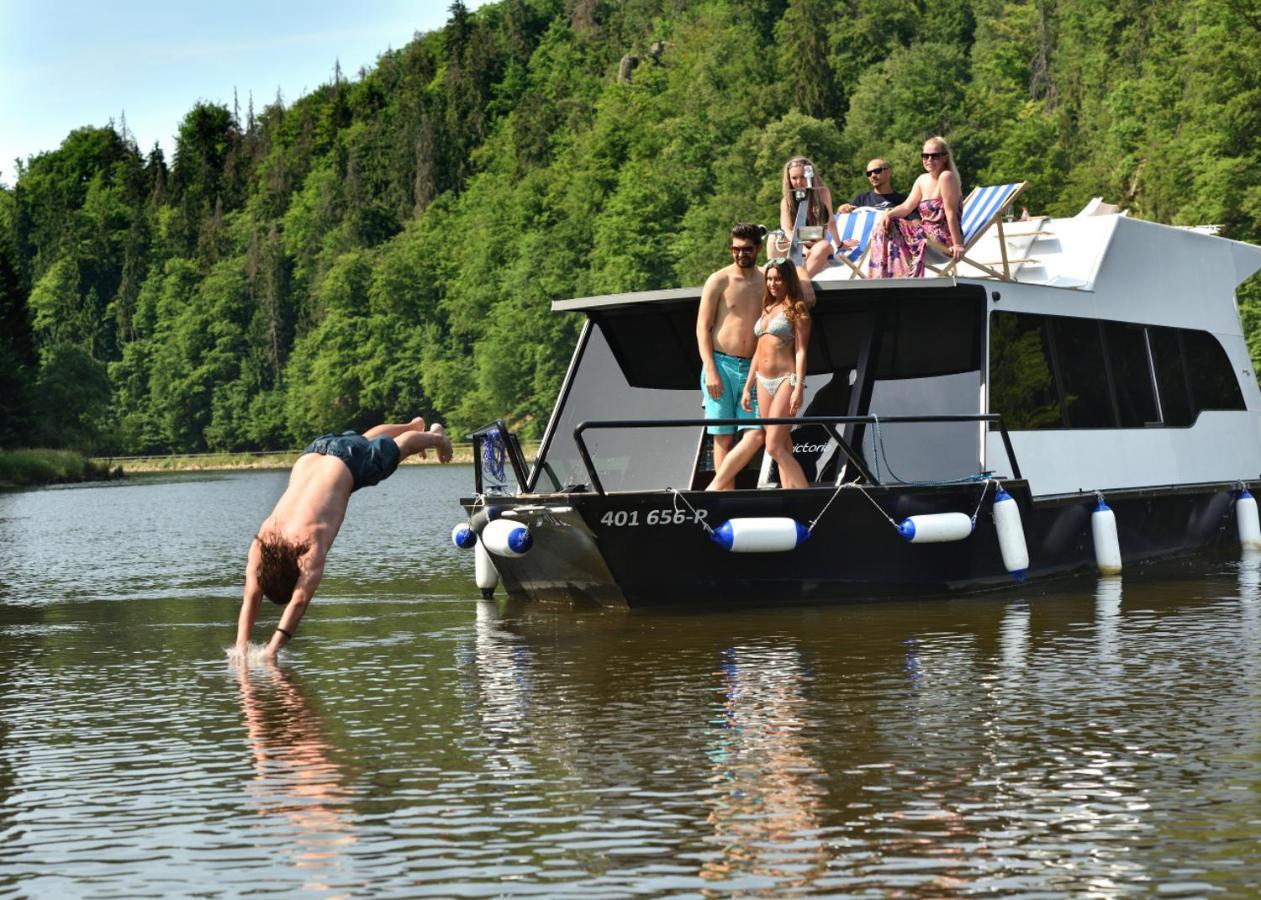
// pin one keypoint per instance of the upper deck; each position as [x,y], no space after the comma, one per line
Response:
[1107,266]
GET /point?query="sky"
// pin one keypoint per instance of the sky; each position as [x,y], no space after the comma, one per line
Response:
[69,63]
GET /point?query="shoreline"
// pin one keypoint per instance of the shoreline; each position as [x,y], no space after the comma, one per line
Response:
[227,462]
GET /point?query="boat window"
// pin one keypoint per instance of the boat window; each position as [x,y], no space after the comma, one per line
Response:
[1131,374]
[1022,386]
[1083,380]
[1213,382]
[930,335]
[625,459]
[1171,375]
[1050,372]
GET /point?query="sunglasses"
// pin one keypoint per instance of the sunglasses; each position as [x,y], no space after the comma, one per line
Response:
[933,155]
[871,172]
[777,261]
[735,248]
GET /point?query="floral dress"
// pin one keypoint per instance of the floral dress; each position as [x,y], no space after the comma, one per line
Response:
[899,252]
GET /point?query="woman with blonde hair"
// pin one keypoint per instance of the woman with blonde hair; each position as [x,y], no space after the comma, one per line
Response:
[898,252]
[779,364]
[821,243]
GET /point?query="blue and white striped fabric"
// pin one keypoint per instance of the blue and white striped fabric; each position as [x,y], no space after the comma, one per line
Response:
[856,225]
[982,205]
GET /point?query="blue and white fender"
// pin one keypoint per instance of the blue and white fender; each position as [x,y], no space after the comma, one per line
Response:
[1011,535]
[771,534]
[1103,528]
[936,528]
[463,536]
[504,537]
[1246,517]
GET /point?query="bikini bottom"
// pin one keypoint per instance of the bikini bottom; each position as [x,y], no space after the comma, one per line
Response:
[771,385]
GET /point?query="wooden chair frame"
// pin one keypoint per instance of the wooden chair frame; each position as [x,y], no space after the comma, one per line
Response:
[995,217]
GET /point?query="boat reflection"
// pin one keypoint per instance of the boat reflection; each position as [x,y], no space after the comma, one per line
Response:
[296,778]
[766,796]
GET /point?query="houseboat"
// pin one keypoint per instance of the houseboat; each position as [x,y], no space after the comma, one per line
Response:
[1077,394]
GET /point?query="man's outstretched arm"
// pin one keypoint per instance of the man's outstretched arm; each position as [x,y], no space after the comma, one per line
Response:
[303,591]
[249,602]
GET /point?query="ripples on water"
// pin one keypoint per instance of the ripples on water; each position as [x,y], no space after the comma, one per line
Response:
[1087,737]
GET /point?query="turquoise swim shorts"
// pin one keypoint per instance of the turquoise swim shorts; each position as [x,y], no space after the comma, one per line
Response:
[733,371]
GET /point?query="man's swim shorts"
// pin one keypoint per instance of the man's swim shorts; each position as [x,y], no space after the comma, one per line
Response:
[733,371]
[369,461]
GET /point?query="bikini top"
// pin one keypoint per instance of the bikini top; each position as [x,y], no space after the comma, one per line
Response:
[779,326]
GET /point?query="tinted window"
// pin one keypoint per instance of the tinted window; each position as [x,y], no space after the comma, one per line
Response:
[1078,352]
[1022,386]
[1131,374]
[1171,375]
[1213,382]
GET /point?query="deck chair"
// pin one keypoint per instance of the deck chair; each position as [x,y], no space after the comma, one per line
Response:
[982,208]
[856,225]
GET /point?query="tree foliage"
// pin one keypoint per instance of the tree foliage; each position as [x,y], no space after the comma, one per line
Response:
[389,244]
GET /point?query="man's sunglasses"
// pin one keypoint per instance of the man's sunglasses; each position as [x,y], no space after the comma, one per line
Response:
[736,248]
[871,172]
[933,155]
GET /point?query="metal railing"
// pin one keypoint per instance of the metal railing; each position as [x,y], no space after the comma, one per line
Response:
[827,422]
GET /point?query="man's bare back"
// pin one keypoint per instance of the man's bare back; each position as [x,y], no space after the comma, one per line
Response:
[313,506]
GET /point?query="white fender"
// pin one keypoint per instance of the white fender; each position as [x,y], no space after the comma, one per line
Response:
[463,536]
[1103,528]
[936,528]
[1011,534]
[770,534]
[484,570]
[504,537]
[1246,517]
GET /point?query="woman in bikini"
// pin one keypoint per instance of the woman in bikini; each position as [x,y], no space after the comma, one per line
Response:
[779,364]
[898,244]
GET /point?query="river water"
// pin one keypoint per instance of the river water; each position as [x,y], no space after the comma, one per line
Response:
[1087,736]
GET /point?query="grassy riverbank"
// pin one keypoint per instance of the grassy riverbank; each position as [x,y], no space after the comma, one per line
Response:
[31,467]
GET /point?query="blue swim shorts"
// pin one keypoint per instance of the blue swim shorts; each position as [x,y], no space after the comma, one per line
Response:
[733,371]
[369,461]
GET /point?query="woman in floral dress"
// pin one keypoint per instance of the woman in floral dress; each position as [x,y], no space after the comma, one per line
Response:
[898,244]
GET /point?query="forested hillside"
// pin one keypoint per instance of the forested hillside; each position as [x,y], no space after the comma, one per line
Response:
[389,244]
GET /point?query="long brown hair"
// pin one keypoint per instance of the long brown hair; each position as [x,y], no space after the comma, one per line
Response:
[817,212]
[796,307]
[278,568]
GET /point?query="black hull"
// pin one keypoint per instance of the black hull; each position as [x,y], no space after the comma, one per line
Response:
[647,549]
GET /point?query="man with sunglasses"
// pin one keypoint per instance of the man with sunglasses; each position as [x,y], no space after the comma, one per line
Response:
[731,302]
[882,195]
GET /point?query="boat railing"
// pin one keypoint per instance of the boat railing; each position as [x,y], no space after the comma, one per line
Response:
[830,423]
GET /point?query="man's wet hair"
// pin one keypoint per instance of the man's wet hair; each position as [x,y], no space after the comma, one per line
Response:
[749,232]
[278,567]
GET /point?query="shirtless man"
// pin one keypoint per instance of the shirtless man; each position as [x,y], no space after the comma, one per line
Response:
[286,558]
[731,302]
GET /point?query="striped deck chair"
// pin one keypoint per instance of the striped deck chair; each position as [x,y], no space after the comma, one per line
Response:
[856,225]
[982,208]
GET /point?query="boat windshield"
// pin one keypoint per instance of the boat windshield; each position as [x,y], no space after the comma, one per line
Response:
[900,352]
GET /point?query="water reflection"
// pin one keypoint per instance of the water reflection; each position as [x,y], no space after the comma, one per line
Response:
[296,778]
[765,802]
[501,680]
[1107,623]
